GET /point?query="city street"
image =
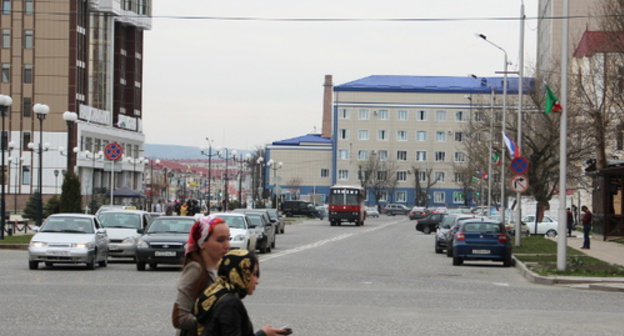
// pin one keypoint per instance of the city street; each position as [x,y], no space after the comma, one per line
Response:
[382,278]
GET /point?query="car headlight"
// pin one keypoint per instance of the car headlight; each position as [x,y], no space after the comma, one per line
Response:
[38,244]
[142,244]
[83,245]
[129,240]
[239,237]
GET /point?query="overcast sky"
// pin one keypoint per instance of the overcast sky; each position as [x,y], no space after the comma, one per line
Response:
[249,83]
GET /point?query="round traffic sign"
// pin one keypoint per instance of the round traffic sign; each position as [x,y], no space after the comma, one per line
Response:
[113,151]
[519,183]
[520,165]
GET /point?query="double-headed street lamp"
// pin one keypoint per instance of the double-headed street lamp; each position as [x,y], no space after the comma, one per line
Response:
[208,152]
[41,110]
[275,166]
[5,102]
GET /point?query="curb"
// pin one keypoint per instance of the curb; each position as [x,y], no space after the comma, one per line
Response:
[606,284]
[13,246]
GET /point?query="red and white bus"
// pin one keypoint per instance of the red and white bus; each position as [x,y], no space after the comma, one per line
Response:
[346,204]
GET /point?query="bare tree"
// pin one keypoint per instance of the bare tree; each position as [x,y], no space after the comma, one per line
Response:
[378,176]
[294,184]
[423,181]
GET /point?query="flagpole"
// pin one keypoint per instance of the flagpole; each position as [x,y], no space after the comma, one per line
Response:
[563,151]
[489,197]
[503,125]
[519,141]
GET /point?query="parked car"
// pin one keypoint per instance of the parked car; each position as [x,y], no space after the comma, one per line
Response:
[69,239]
[429,223]
[482,239]
[260,222]
[453,230]
[322,211]
[443,232]
[241,236]
[371,211]
[418,212]
[299,208]
[548,226]
[510,225]
[394,209]
[163,242]
[276,218]
[123,228]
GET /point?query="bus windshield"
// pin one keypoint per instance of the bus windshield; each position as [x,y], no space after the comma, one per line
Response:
[344,199]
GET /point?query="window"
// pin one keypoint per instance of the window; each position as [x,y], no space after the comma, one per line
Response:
[422,176]
[382,175]
[26,138]
[343,154]
[343,114]
[421,115]
[459,116]
[28,73]
[324,172]
[440,156]
[400,196]
[6,72]
[440,115]
[401,135]
[362,134]
[28,39]
[382,115]
[460,157]
[29,9]
[421,135]
[459,136]
[384,196]
[88,144]
[438,197]
[343,174]
[6,7]
[402,115]
[25,175]
[478,116]
[401,155]
[6,38]
[27,107]
[421,156]
[458,197]
[439,176]
[459,177]
[440,136]
[382,135]
[363,175]
[363,114]
[362,155]
[97,145]
[343,134]
[383,155]
[402,175]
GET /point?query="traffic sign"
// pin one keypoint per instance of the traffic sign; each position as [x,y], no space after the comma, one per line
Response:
[113,151]
[519,183]
[520,165]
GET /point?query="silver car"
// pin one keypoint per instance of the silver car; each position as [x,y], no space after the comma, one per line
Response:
[69,239]
[123,227]
[241,235]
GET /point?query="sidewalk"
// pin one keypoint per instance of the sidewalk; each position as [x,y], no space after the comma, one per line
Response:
[607,251]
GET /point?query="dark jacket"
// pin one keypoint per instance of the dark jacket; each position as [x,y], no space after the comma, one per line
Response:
[230,318]
[587,219]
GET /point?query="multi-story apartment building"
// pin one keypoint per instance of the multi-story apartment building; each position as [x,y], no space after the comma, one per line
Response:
[84,56]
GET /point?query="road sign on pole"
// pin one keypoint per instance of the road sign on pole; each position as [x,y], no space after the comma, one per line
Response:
[520,165]
[113,151]
[519,183]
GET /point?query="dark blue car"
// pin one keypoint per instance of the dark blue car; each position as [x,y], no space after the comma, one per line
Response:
[482,239]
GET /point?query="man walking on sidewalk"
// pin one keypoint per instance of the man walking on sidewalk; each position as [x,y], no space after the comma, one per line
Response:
[586,220]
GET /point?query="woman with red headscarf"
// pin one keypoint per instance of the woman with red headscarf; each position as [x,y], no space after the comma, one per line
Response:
[208,242]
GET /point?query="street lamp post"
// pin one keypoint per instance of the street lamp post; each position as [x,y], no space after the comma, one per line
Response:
[490,144]
[151,163]
[93,157]
[242,162]
[208,152]
[5,102]
[41,110]
[18,162]
[70,118]
[260,164]
[226,197]
[275,166]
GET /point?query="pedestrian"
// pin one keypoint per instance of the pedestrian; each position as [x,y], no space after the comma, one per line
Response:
[569,221]
[220,309]
[208,242]
[586,220]
[169,209]
[183,209]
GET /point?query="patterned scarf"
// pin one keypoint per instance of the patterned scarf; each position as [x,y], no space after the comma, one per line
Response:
[200,231]
[235,271]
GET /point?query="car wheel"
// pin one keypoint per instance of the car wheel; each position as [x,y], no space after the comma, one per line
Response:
[33,265]
[140,265]
[457,261]
[91,263]
[273,244]
[104,263]
[551,233]
[153,265]
[49,264]
[264,248]
[449,252]
[507,261]
[427,230]
[438,250]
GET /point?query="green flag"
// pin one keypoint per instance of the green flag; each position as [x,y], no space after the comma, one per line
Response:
[496,159]
[552,102]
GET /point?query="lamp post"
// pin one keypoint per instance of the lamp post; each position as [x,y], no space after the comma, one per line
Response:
[208,152]
[503,121]
[242,162]
[5,102]
[41,110]
[490,144]
[275,166]
[70,118]
[151,163]
[18,162]
[226,197]
[260,164]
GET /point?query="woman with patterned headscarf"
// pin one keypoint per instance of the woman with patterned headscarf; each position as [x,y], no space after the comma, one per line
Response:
[220,310]
[208,241]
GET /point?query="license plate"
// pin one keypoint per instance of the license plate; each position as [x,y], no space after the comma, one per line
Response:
[480,251]
[165,253]
[59,253]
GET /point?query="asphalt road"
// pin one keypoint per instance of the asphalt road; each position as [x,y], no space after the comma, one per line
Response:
[382,278]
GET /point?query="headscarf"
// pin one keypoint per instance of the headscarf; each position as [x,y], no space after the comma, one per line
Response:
[200,231]
[235,271]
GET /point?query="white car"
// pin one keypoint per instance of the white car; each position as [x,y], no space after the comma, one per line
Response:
[69,239]
[123,227]
[241,236]
[371,211]
[548,226]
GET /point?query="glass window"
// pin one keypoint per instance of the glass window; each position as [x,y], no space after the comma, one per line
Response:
[439,176]
[6,7]
[402,175]
[343,114]
[402,115]
[384,196]
[440,115]
[6,38]
[421,156]
[26,138]
[382,115]
[421,136]
[460,157]
[401,135]
[382,135]
[440,156]
[28,73]
[343,134]
[363,114]
[422,176]
[459,136]
[383,155]
[28,39]
[343,174]
[401,155]
[27,107]
[362,134]
[6,72]
[400,196]
[459,116]
[438,197]
[421,115]
[478,116]
[324,172]
[440,136]
[458,197]
[343,154]
[458,177]
[382,175]
[26,175]
[29,8]
[362,155]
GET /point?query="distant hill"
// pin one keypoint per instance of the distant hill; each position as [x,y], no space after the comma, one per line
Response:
[172,152]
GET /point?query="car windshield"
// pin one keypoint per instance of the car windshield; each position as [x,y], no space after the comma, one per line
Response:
[272,215]
[234,222]
[255,220]
[67,224]
[120,220]
[171,225]
[482,227]
[447,221]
